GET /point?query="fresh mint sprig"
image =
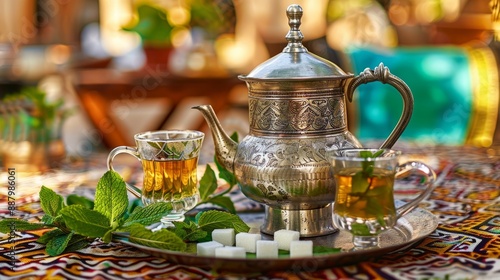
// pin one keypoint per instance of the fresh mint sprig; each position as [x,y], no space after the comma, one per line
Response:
[78,221]
[183,234]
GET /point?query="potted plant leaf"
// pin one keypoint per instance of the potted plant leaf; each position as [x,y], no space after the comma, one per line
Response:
[155,31]
[32,131]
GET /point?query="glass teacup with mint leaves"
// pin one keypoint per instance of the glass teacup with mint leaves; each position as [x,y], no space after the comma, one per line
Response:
[364,200]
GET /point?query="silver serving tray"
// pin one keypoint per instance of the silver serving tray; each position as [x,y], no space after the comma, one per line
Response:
[411,228]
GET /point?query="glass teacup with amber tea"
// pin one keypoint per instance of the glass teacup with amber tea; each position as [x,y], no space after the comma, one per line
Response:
[364,201]
[169,162]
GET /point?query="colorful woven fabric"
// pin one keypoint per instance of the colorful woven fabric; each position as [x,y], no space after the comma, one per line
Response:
[466,244]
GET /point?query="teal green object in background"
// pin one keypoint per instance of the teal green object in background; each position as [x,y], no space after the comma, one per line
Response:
[440,80]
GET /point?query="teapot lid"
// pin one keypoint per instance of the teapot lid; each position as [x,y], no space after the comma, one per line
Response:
[295,61]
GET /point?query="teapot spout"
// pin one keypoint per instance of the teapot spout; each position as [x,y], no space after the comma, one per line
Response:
[225,147]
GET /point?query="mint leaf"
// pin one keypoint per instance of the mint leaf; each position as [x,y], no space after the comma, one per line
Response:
[58,244]
[208,183]
[365,154]
[50,201]
[74,199]
[191,248]
[378,153]
[48,219]
[196,236]
[213,219]
[149,214]
[234,137]
[360,183]
[318,250]
[7,225]
[77,242]
[46,237]
[111,198]
[188,231]
[163,239]
[225,174]
[224,202]
[64,243]
[136,202]
[108,236]
[369,165]
[360,229]
[375,207]
[85,221]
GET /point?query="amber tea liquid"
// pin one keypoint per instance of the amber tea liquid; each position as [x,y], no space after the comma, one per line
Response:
[368,210]
[171,180]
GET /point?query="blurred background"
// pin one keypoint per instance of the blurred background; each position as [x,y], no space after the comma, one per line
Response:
[80,76]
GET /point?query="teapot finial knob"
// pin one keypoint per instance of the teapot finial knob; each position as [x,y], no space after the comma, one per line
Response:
[294,37]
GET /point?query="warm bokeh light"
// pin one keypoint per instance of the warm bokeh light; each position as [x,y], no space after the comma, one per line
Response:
[244,50]
[410,12]
[178,15]
[399,14]
[58,54]
[358,23]
[428,11]
[335,9]
[227,49]
[181,36]
[114,14]
[196,61]
[451,9]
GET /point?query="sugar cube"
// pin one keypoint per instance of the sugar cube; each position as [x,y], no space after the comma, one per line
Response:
[284,237]
[247,241]
[224,236]
[207,248]
[266,249]
[301,248]
[230,252]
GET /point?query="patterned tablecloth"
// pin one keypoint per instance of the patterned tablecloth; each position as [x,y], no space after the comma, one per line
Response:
[466,244]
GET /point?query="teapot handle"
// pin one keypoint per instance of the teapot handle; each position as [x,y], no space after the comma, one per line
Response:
[381,73]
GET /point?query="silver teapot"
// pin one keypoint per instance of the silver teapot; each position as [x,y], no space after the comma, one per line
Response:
[297,112]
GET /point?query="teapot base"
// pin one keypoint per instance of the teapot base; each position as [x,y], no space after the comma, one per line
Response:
[310,222]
